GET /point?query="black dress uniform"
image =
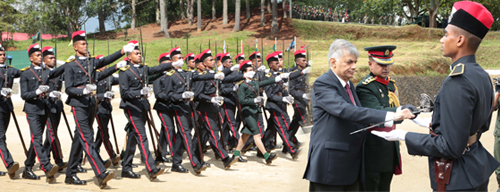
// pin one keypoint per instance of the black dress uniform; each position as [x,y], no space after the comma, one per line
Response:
[136,106]
[104,110]
[228,109]
[297,88]
[83,107]
[6,109]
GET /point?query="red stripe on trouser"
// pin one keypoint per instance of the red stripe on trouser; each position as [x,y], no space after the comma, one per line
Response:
[229,120]
[213,135]
[185,139]
[101,128]
[284,120]
[51,139]
[283,133]
[3,159]
[298,109]
[258,125]
[33,142]
[140,137]
[86,144]
[168,136]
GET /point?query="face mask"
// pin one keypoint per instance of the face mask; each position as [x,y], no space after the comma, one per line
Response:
[179,63]
[250,74]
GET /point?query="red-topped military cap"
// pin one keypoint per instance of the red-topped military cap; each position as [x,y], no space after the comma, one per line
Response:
[101,57]
[175,51]
[272,57]
[125,59]
[240,56]
[280,54]
[245,64]
[78,36]
[381,54]
[301,53]
[33,48]
[472,17]
[254,55]
[164,57]
[224,56]
[47,51]
[197,59]
[189,56]
[135,44]
[203,55]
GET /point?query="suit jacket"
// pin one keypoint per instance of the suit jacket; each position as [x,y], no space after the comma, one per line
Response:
[335,156]
[462,108]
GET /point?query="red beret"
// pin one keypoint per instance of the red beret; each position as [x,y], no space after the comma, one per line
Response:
[245,64]
[189,56]
[47,51]
[254,55]
[78,36]
[175,51]
[163,57]
[203,55]
[33,48]
[240,56]
[272,57]
[300,53]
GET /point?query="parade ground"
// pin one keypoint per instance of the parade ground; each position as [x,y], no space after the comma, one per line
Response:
[283,175]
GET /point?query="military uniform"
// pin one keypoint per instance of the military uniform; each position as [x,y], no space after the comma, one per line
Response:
[298,87]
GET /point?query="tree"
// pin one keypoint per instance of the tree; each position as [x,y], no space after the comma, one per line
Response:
[181,7]
[190,4]
[247,2]
[433,8]
[164,17]
[105,9]
[213,10]
[284,8]
[132,23]
[262,5]
[237,15]
[199,15]
[9,16]
[224,12]
[274,23]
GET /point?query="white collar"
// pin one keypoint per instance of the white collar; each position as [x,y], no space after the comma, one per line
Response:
[37,67]
[136,65]
[342,81]
[248,80]
[2,65]
[82,58]
[180,70]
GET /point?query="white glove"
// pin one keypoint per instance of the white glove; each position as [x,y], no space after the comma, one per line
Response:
[309,63]
[145,91]
[285,84]
[235,67]
[6,92]
[42,89]
[128,48]
[235,88]
[258,99]
[393,135]
[109,95]
[220,68]
[261,68]
[306,70]
[284,75]
[306,96]
[277,78]
[219,76]
[288,99]
[187,94]
[424,122]
[55,94]
[121,64]
[217,100]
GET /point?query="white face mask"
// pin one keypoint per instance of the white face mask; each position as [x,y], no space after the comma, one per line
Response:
[250,74]
[179,62]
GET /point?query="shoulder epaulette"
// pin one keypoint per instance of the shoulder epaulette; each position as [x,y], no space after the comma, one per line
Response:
[145,63]
[269,74]
[26,68]
[98,70]
[203,73]
[457,70]
[125,68]
[171,72]
[240,82]
[368,80]
[392,80]
[10,66]
[69,60]
[295,70]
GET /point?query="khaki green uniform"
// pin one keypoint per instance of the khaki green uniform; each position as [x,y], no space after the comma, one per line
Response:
[496,149]
[247,92]
[381,157]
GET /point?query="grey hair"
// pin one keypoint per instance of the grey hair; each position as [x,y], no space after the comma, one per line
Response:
[338,47]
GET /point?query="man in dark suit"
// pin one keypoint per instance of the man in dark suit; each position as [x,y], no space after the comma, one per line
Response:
[335,156]
[462,109]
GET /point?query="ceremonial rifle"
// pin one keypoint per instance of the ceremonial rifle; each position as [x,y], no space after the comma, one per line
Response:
[219,116]
[111,116]
[63,113]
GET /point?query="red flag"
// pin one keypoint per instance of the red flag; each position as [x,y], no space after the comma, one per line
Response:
[303,46]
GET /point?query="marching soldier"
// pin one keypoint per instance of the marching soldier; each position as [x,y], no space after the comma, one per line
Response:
[52,143]
[239,58]
[250,101]
[167,131]
[33,92]
[190,61]
[105,95]
[462,109]
[299,91]
[8,74]
[378,91]
[134,93]
[80,79]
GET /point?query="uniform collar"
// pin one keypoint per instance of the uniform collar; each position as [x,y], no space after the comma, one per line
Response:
[2,65]
[82,58]
[464,60]
[136,65]
[248,80]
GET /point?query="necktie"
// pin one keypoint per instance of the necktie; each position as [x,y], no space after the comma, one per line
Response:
[349,93]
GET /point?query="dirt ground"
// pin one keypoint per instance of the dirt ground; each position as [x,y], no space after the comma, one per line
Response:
[283,175]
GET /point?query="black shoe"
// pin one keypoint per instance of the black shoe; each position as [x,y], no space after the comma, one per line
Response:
[207,147]
[260,155]
[279,147]
[271,158]
[62,165]
[168,153]
[296,154]
[134,166]
[50,173]
[107,163]
[153,174]
[162,159]
[116,160]
[179,169]
[228,161]
[12,169]
[205,163]
[2,173]
[74,180]
[102,180]
[130,174]
[200,167]
[246,148]
[80,169]
[240,159]
[28,174]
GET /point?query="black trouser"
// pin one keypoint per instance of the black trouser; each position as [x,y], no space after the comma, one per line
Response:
[202,132]
[210,119]
[299,119]
[37,126]
[84,141]
[4,152]
[377,181]
[138,136]
[184,137]
[322,187]
[278,122]
[52,143]
[167,135]
[102,136]
[230,127]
